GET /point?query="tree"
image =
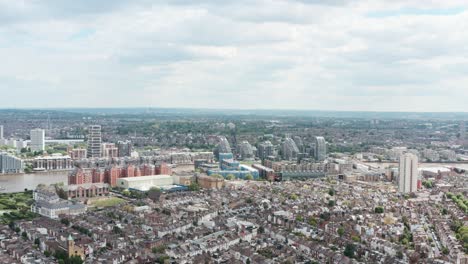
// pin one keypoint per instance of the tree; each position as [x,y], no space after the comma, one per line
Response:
[65,221]
[249,177]
[312,221]
[230,177]
[194,187]
[154,193]
[75,260]
[340,231]
[445,251]
[350,250]
[159,249]
[379,210]
[60,191]
[261,230]
[331,192]
[331,203]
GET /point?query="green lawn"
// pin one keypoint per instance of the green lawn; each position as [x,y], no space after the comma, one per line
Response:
[108,202]
[17,206]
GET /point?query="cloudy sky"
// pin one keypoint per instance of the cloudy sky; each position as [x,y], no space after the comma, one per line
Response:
[398,55]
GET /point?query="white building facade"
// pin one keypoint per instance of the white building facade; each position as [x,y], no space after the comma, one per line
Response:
[408,178]
[37,139]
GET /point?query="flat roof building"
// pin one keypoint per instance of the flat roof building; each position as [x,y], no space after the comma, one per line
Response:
[144,183]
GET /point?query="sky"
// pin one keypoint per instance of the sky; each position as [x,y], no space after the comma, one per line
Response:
[347,55]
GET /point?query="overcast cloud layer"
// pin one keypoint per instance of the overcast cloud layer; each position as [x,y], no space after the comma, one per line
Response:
[399,55]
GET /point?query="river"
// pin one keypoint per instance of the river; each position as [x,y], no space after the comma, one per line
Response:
[18,182]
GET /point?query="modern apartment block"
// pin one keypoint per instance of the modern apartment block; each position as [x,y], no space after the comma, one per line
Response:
[94,141]
[10,164]
[320,149]
[37,140]
[408,181]
[124,148]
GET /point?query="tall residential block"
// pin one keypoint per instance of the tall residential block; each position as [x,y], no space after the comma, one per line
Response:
[408,179]
[1,132]
[10,164]
[94,141]
[265,150]
[320,148]
[124,148]
[37,139]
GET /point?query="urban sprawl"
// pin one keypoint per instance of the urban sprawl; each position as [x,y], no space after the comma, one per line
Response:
[181,187]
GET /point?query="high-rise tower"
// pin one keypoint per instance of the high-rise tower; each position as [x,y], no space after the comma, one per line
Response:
[320,148]
[37,140]
[408,179]
[94,141]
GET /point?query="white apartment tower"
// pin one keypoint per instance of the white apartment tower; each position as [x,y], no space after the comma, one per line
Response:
[37,139]
[320,149]
[1,132]
[94,141]
[408,179]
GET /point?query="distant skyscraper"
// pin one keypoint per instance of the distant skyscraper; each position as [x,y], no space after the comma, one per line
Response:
[462,132]
[289,149]
[408,179]
[246,150]
[320,152]
[223,146]
[265,149]
[94,141]
[1,132]
[125,148]
[37,139]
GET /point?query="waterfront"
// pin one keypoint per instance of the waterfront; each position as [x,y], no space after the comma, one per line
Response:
[19,182]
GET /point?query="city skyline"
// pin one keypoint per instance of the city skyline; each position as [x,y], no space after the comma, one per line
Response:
[336,55]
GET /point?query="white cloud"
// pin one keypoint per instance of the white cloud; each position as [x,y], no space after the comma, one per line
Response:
[342,55]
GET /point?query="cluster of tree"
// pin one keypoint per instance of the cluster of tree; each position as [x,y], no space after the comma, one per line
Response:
[428,184]
[82,230]
[340,231]
[379,210]
[350,250]
[59,189]
[461,232]
[407,237]
[134,194]
[159,249]
[460,200]
[65,221]
[63,258]
[194,187]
